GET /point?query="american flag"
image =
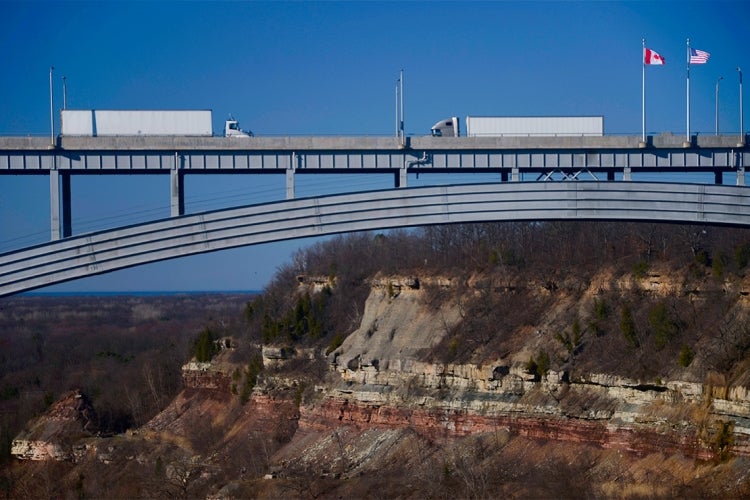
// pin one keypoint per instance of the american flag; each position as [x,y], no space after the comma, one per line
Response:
[698,56]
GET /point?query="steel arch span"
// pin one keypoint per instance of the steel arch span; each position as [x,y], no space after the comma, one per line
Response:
[106,251]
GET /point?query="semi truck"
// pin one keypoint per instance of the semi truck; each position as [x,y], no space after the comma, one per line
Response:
[521,126]
[101,123]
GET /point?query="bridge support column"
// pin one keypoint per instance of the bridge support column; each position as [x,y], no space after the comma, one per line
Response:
[737,163]
[626,174]
[515,175]
[290,184]
[177,191]
[401,177]
[610,175]
[59,203]
[718,177]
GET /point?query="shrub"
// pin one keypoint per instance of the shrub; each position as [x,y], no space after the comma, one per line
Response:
[718,265]
[742,255]
[627,327]
[600,309]
[538,367]
[306,319]
[532,367]
[702,258]
[204,347]
[724,439]
[252,307]
[542,363]
[336,342]
[571,341]
[453,346]
[251,377]
[685,357]
[509,257]
[663,327]
[494,258]
[49,398]
[640,269]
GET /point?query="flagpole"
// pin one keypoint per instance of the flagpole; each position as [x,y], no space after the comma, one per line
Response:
[643,92]
[687,135]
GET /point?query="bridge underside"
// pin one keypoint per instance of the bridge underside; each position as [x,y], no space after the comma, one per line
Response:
[106,251]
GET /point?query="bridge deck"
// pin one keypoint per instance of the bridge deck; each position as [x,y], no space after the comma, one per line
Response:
[35,155]
[508,157]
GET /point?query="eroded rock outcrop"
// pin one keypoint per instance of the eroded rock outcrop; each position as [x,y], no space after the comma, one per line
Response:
[54,435]
[386,384]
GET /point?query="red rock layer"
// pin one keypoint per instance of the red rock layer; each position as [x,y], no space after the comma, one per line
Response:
[442,423]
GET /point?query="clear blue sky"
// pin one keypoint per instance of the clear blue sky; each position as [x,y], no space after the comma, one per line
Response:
[309,68]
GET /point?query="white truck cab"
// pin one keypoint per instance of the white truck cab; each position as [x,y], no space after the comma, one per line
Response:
[446,128]
[232,129]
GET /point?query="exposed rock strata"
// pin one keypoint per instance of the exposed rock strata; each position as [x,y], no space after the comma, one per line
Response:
[623,416]
[382,383]
[53,436]
[385,385]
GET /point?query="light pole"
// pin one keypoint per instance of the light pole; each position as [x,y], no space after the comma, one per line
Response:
[742,125]
[401,97]
[65,93]
[51,110]
[717,104]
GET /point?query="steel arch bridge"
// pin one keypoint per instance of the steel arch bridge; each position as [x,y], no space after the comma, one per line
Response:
[105,251]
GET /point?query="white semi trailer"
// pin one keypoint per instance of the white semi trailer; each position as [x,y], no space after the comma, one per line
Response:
[521,126]
[100,123]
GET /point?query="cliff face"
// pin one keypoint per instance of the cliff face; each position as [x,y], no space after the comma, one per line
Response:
[56,435]
[384,383]
[384,400]
[456,401]
[397,326]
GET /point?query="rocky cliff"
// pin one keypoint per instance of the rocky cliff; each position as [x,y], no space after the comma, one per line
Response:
[58,433]
[385,384]
[384,398]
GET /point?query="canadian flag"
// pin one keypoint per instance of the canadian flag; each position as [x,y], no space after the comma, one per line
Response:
[651,57]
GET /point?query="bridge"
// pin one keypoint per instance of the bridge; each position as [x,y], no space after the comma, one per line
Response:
[566,159]
[105,251]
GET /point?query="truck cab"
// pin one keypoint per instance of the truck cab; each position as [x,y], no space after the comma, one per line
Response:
[232,129]
[446,128]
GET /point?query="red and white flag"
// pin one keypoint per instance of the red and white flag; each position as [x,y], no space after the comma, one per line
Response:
[651,57]
[698,56]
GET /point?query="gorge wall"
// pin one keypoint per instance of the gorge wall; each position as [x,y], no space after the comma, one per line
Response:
[379,379]
[384,383]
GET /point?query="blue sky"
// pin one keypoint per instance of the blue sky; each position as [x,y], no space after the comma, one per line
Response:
[310,68]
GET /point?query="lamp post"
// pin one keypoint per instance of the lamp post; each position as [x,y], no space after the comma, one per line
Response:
[401,97]
[717,104]
[65,93]
[51,110]
[742,125]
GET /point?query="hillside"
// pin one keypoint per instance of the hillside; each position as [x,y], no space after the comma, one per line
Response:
[527,367]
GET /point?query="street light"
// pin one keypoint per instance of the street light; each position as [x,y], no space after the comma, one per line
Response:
[742,125]
[65,93]
[51,110]
[717,104]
